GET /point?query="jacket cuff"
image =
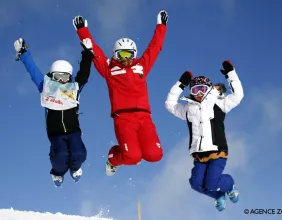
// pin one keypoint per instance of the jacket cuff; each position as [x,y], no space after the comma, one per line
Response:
[176,88]
[24,55]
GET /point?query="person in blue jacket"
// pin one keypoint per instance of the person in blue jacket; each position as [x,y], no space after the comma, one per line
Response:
[60,97]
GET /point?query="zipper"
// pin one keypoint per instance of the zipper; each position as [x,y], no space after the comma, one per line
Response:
[63,122]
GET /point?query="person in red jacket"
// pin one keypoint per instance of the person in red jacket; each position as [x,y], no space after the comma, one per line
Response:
[126,75]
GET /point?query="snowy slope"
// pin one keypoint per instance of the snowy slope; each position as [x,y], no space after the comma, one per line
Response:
[10,214]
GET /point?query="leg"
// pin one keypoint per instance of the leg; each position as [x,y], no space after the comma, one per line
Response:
[215,180]
[197,179]
[77,150]
[148,138]
[128,151]
[224,183]
[59,155]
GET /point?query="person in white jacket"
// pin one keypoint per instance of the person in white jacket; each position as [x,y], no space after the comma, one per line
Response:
[205,112]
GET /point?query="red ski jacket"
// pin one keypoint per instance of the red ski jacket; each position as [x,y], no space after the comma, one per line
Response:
[127,85]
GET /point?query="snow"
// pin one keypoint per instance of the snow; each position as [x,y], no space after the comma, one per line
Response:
[10,214]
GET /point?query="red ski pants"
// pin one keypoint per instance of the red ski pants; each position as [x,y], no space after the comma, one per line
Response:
[137,138]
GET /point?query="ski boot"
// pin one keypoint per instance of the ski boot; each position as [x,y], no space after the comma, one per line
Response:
[76,175]
[233,195]
[220,203]
[58,180]
[110,169]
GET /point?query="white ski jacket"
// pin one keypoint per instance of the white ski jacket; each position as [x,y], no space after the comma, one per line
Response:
[206,119]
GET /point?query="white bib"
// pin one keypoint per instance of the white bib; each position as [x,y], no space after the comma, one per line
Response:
[57,96]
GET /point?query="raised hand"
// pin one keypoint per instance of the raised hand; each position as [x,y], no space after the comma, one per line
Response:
[227,67]
[185,79]
[20,47]
[79,22]
[162,17]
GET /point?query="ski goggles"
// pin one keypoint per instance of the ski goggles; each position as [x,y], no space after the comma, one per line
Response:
[125,54]
[195,90]
[61,77]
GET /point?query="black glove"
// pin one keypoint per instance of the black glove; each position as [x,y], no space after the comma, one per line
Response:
[221,88]
[185,79]
[162,17]
[227,67]
[79,22]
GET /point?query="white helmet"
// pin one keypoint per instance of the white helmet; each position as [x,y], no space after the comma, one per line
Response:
[124,44]
[61,66]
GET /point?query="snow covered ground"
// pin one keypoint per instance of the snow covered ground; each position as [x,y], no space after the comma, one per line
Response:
[10,214]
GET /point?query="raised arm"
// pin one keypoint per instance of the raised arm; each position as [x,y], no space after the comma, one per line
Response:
[237,93]
[155,46]
[83,74]
[25,57]
[171,103]
[100,61]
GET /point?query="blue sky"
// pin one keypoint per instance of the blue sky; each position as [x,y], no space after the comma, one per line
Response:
[201,34]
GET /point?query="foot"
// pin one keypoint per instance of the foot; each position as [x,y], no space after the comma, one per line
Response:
[233,195]
[220,203]
[110,169]
[76,175]
[58,180]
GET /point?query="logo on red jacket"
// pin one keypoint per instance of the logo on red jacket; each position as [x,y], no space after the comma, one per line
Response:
[138,69]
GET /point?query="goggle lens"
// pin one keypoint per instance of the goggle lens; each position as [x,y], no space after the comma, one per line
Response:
[125,54]
[64,77]
[199,88]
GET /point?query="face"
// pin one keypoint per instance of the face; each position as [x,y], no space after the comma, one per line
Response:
[198,91]
[125,62]
[199,97]
[124,57]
